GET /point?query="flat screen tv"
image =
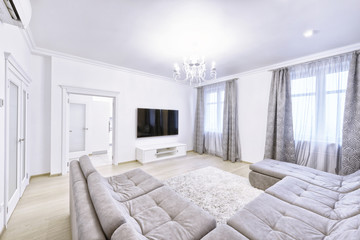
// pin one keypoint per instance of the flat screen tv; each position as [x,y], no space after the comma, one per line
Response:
[157,122]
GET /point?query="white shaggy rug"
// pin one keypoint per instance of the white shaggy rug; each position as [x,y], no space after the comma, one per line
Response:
[218,192]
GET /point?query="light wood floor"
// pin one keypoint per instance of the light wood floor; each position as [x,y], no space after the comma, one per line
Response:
[43,211]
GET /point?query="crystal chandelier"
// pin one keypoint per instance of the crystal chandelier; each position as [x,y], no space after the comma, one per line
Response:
[195,71]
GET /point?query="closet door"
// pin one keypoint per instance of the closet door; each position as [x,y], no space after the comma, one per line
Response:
[16,162]
[24,177]
[13,136]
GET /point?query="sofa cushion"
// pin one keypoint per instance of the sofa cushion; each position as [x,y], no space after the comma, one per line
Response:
[159,214]
[347,229]
[330,181]
[87,224]
[126,231]
[261,181]
[163,214]
[87,221]
[268,217]
[86,166]
[132,184]
[110,216]
[325,202]
[224,232]
[75,172]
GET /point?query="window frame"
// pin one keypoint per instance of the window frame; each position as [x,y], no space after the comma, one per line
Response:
[320,107]
[220,100]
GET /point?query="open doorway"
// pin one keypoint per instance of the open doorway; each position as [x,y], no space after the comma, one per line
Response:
[90,128]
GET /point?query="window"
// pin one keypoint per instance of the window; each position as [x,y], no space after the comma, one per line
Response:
[335,104]
[214,109]
[303,91]
[318,106]
[318,100]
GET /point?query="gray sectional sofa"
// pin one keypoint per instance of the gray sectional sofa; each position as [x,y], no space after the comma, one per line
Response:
[133,205]
[298,203]
[303,204]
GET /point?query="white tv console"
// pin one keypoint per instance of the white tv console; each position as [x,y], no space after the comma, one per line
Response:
[156,152]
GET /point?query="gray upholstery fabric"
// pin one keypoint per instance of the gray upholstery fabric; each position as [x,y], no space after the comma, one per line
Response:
[162,214]
[156,214]
[132,184]
[86,166]
[110,216]
[325,202]
[224,232]
[280,144]
[261,181]
[330,181]
[351,127]
[199,122]
[268,217]
[126,231]
[230,134]
[85,224]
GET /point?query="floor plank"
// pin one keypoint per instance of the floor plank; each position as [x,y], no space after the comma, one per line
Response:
[43,211]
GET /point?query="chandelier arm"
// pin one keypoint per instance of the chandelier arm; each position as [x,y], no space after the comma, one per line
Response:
[195,71]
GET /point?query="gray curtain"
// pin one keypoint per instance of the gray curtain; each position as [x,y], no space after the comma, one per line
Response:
[280,143]
[199,122]
[230,135]
[351,129]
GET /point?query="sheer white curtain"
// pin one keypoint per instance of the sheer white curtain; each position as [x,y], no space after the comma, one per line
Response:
[318,98]
[213,118]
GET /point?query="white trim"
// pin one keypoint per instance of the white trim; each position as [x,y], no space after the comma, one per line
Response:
[9,58]
[64,132]
[66,90]
[89,91]
[29,38]
[2,211]
[5,139]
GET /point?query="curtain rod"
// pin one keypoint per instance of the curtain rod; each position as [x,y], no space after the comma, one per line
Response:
[311,61]
[210,82]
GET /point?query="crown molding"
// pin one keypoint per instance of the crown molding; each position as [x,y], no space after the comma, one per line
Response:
[308,58]
[46,52]
[50,53]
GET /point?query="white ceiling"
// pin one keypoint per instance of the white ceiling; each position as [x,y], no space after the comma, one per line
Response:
[149,36]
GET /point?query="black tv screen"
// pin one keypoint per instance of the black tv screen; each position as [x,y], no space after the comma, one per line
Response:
[157,122]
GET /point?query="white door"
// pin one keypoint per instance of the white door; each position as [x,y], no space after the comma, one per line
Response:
[77,130]
[16,162]
[23,141]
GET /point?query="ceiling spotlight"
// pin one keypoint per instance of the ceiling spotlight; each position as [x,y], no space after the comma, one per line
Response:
[310,33]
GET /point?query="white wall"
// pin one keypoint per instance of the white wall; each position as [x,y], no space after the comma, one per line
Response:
[136,91]
[253,98]
[12,41]
[39,115]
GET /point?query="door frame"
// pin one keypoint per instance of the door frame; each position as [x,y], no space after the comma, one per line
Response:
[66,90]
[12,65]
